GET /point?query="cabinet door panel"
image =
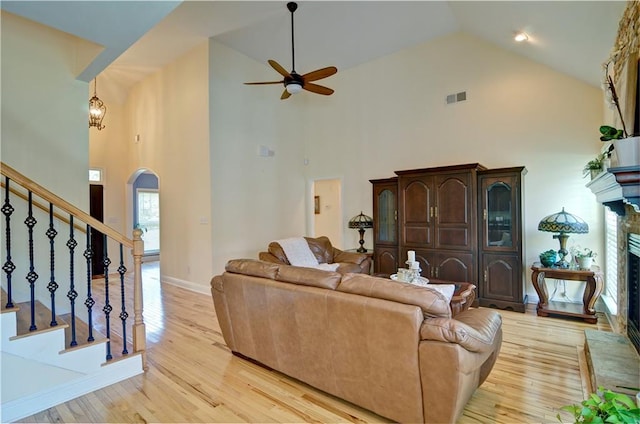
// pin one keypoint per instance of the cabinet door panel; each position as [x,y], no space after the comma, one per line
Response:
[386,261]
[385,219]
[454,214]
[500,213]
[453,237]
[416,212]
[416,205]
[502,279]
[455,267]
[453,193]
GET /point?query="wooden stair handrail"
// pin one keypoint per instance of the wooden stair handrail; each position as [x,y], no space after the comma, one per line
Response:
[45,194]
[44,208]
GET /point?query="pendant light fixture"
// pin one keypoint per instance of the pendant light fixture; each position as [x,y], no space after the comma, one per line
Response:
[97,109]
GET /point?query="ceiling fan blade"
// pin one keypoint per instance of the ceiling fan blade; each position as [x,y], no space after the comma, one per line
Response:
[318,89]
[264,82]
[275,65]
[320,73]
[285,95]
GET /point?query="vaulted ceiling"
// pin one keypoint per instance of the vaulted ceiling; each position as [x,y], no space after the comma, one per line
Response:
[139,37]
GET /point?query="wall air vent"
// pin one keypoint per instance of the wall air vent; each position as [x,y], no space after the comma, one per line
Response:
[456,97]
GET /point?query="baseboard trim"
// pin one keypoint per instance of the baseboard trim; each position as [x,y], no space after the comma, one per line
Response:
[189,285]
[109,374]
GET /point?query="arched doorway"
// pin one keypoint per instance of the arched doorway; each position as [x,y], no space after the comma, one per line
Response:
[143,192]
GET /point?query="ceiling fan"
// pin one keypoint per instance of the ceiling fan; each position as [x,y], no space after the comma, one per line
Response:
[294,82]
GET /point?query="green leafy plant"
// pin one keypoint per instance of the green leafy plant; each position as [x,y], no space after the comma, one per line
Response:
[585,253]
[611,133]
[593,165]
[602,407]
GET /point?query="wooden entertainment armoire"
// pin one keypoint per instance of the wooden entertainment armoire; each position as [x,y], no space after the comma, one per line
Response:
[463,221]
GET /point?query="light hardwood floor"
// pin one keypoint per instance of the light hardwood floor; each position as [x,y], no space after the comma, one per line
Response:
[193,377]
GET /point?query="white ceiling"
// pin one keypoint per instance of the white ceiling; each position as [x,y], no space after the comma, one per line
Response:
[574,37]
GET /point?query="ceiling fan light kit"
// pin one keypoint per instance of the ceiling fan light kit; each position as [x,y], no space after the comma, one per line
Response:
[294,82]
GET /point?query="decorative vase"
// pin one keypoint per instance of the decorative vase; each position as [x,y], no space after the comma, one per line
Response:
[585,262]
[627,151]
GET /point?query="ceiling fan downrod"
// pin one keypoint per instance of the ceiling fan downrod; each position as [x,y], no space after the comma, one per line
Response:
[292,6]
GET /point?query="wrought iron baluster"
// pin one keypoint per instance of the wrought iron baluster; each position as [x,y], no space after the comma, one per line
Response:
[52,286]
[8,266]
[32,276]
[107,307]
[72,294]
[89,302]
[123,313]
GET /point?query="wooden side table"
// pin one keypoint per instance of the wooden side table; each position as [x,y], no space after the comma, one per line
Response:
[592,291]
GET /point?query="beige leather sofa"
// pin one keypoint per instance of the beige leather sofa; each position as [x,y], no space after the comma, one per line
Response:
[325,253]
[387,346]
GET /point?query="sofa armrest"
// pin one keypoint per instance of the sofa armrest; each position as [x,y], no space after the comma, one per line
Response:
[348,257]
[474,329]
[268,257]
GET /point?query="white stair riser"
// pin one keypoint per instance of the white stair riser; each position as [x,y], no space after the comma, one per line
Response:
[8,324]
[105,376]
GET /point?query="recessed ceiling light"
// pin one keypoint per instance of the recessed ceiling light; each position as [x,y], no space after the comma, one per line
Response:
[520,37]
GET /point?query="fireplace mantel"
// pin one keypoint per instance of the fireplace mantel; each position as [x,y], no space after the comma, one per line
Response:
[616,187]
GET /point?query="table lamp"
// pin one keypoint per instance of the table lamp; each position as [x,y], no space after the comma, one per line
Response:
[361,222]
[563,223]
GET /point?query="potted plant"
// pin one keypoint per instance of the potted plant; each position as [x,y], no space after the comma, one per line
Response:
[594,167]
[604,406]
[584,257]
[627,146]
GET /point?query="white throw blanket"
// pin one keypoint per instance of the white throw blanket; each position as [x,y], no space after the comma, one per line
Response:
[299,254]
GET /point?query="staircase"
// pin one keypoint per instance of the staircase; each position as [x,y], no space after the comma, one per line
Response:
[65,332]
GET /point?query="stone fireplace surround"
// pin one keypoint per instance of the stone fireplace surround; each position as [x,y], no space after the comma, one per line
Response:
[627,224]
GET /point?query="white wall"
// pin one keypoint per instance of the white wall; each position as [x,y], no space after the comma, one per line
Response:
[169,110]
[329,221]
[108,150]
[255,199]
[391,114]
[44,136]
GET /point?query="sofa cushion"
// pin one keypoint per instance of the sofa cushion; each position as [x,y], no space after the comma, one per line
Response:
[432,302]
[252,267]
[309,276]
[321,248]
[474,330]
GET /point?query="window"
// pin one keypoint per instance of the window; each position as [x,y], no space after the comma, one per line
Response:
[611,259]
[148,219]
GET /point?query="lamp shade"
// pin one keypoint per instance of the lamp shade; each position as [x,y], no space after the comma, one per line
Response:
[563,222]
[361,221]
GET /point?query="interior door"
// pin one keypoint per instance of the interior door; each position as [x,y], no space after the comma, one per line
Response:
[96,210]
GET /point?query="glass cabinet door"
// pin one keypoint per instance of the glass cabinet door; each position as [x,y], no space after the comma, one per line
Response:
[386,230]
[498,214]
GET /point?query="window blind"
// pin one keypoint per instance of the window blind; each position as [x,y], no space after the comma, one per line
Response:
[611,254]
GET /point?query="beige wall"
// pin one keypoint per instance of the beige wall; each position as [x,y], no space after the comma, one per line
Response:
[44,135]
[255,199]
[169,110]
[108,151]
[44,108]
[391,114]
[329,221]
